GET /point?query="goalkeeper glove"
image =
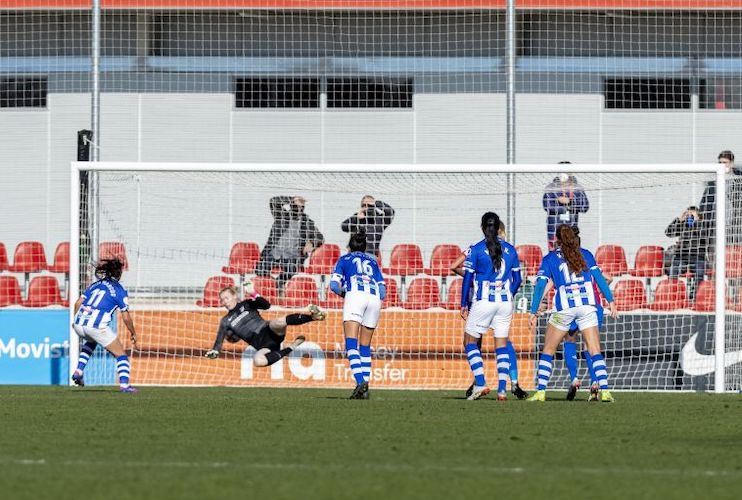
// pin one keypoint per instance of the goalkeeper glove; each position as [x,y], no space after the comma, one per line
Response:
[212,354]
[249,288]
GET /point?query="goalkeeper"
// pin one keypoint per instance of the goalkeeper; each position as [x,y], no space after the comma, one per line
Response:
[243,322]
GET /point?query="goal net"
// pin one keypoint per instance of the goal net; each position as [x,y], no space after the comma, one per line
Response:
[187,234]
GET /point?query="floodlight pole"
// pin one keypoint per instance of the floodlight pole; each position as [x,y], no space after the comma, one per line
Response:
[510,116]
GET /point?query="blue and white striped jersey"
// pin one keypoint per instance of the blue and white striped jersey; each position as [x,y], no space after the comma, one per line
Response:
[358,271]
[99,301]
[572,290]
[494,285]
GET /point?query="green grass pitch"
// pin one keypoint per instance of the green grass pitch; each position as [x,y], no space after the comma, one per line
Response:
[199,443]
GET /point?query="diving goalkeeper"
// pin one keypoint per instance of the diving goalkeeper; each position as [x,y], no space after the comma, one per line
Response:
[243,322]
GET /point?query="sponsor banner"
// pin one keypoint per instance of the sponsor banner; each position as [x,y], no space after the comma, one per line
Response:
[419,349]
[34,346]
[375,4]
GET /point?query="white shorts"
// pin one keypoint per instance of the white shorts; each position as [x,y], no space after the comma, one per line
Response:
[585,316]
[484,315]
[103,336]
[362,308]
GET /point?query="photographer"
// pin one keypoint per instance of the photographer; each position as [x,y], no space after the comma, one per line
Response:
[691,247]
[292,238]
[373,218]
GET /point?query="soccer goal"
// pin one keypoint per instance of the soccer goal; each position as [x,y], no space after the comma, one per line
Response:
[187,230]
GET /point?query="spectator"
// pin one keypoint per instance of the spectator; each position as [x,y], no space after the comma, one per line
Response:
[733,199]
[373,217]
[292,238]
[564,199]
[690,249]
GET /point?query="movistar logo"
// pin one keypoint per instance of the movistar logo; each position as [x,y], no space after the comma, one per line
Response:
[42,350]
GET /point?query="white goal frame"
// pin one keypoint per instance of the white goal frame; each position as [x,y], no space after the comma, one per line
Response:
[77,168]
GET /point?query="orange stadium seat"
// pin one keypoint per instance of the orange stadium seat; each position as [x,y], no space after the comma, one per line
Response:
[530,258]
[10,291]
[630,294]
[299,292]
[442,258]
[453,298]
[423,293]
[669,295]
[392,293]
[611,259]
[61,259]
[266,286]
[243,258]
[213,286]
[29,258]
[4,265]
[323,259]
[43,291]
[406,260]
[733,262]
[705,297]
[113,249]
[649,262]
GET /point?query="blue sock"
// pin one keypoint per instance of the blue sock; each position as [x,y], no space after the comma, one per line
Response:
[590,369]
[503,368]
[474,356]
[513,363]
[354,358]
[545,365]
[570,359]
[601,371]
[366,362]
[123,368]
[86,351]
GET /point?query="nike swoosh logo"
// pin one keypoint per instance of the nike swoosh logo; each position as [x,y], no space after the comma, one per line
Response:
[694,363]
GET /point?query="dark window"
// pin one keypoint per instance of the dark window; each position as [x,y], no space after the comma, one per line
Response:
[647,93]
[720,93]
[277,93]
[23,92]
[369,93]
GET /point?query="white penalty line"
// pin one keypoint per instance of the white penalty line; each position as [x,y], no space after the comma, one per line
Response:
[406,468]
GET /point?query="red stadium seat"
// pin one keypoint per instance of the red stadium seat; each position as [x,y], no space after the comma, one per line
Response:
[111,250]
[4,265]
[442,258]
[669,295]
[266,286]
[43,291]
[630,294]
[10,291]
[649,262]
[705,297]
[331,301]
[242,259]
[299,292]
[29,258]
[733,262]
[453,298]
[423,293]
[392,293]
[323,259]
[530,258]
[214,285]
[61,259]
[406,260]
[611,259]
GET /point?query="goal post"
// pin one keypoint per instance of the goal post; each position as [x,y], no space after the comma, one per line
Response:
[179,222]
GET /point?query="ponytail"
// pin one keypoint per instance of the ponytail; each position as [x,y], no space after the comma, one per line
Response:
[490,228]
[569,244]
